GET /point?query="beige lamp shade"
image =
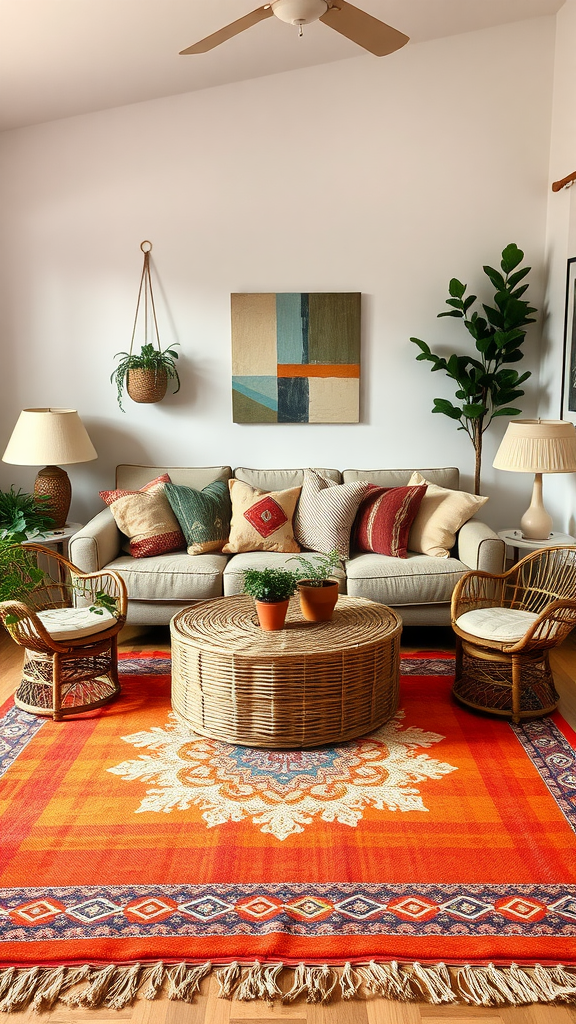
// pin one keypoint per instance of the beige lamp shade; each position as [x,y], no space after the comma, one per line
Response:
[49,436]
[537,446]
[55,437]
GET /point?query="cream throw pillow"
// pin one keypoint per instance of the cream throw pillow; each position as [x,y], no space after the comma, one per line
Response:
[441,514]
[261,520]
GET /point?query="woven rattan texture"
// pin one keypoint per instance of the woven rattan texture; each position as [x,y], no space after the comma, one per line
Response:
[148,386]
[307,685]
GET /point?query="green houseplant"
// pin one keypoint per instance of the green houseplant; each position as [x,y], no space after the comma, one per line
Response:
[24,516]
[318,591]
[485,386]
[271,590]
[146,374]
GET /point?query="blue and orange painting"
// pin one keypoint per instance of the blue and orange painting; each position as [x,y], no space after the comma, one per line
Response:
[296,357]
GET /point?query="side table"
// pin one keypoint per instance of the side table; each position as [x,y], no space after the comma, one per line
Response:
[59,539]
[514,539]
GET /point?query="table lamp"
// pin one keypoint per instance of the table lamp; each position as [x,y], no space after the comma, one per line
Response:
[537,446]
[56,437]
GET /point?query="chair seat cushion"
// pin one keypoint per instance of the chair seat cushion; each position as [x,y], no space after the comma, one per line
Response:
[74,623]
[506,625]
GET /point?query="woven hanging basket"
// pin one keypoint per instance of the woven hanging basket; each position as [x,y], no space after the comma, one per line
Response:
[146,386]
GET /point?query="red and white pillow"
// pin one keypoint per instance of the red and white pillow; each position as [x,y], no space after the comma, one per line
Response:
[384,519]
[146,518]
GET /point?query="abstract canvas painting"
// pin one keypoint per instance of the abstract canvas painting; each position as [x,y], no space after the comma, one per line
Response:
[296,357]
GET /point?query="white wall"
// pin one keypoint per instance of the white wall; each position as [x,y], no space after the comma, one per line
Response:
[560,496]
[382,176]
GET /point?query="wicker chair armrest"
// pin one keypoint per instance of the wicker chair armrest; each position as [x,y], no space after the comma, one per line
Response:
[480,547]
[550,628]
[477,589]
[97,543]
[25,627]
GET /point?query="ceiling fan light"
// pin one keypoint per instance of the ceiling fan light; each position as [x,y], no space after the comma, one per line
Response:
[299,12]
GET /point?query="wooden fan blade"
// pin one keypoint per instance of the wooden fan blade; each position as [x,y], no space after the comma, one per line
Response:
[230,30]
[362,28]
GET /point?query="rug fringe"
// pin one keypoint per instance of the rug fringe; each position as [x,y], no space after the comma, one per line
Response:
[316,983]
[115,986]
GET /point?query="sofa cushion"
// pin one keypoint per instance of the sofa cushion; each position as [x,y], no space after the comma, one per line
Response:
[234,571]
[417,579]
[384,519]
[261,520]
[145,517]
[326,513]
[448,476]
[173,577]
[280,479]
[204,516]
[442,512]
[132,477]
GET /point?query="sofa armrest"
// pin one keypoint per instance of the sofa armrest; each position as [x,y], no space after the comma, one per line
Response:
[480,547]
[96,544]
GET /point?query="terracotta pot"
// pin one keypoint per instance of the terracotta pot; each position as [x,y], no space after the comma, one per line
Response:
[271,614]
[317,603]
[148,386]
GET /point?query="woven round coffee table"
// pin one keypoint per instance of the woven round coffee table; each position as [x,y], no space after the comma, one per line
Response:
[306,685]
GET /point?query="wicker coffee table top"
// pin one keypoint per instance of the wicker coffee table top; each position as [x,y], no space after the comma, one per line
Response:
[305,685]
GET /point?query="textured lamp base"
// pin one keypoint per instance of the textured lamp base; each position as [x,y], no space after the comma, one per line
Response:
[55,483]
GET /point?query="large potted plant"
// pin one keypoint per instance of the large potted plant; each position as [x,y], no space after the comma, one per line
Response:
[485,387]
[146,374]
[318,590]
[271,590]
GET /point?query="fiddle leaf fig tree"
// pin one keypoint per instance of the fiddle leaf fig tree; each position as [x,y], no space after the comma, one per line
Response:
[485,386]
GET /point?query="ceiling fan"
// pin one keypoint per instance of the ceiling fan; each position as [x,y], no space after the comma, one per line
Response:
[349,21]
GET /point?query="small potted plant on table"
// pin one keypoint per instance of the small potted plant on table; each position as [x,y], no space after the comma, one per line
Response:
[318,590]
[271,590]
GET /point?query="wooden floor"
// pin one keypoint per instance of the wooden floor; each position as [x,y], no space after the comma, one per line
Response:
[208,1009]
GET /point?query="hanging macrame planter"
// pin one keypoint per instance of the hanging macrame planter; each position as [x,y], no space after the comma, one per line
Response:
[146,374]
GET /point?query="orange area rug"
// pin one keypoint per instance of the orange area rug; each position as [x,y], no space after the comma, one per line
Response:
[445,836]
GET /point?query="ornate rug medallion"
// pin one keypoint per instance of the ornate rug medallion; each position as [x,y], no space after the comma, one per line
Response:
[282,791]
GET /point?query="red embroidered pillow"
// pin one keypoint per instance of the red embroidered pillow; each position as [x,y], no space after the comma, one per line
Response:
[384,519]
[146,518]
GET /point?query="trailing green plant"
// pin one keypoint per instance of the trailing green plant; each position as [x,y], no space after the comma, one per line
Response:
[317,572]
[149,358]
[24,516]
[19,573]
[270,584]
[485,386]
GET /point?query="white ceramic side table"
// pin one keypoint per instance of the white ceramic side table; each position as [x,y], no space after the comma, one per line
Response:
[514,539]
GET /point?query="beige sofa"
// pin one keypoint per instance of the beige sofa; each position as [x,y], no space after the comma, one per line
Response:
[418,587]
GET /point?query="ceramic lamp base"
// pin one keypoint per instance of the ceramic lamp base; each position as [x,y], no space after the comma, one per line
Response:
[55,483]
[536,523]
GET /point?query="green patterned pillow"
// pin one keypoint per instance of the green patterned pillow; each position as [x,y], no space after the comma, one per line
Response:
[204,516]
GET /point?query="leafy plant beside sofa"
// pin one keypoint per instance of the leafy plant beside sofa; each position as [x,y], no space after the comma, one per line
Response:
[317,588]
[24,516]
[485,388]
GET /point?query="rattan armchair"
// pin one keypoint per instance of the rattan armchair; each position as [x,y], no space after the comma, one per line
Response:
[505,626]
[68,625]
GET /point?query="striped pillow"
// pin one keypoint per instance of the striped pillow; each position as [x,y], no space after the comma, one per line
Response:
[384,519]
[204,516]
[146,518]
[326,513]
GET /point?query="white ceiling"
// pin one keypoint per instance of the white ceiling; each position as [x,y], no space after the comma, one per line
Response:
[64,57]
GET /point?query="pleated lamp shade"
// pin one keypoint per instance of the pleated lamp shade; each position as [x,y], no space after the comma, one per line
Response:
[537,446]
[56,437]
